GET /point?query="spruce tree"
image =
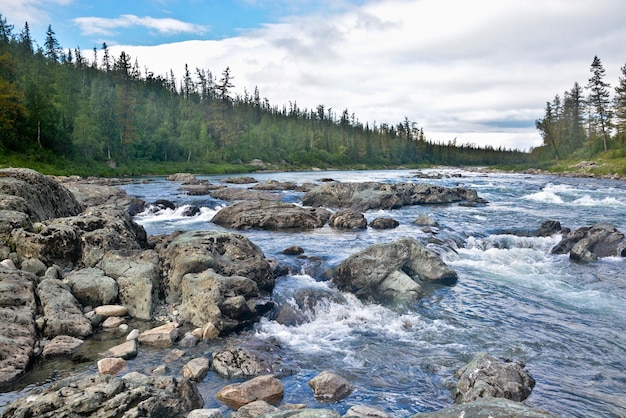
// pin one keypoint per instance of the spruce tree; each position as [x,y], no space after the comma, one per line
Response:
[619,104]
[599,101]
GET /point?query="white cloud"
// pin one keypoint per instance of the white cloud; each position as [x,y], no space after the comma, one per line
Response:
[165,26]
[479,71]
[31,11]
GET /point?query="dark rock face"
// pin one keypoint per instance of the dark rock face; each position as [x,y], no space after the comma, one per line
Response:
[392,271]
[348,219]
[270,215]
[44,197]
[487,408]
[372,195]
[487,377]
[384,223]
[134,395]
[17,322]
[591,243]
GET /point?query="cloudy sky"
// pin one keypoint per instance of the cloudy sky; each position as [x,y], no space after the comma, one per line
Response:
[479,71]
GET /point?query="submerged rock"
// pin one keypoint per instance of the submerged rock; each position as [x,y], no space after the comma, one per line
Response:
[392,271]
[487,408]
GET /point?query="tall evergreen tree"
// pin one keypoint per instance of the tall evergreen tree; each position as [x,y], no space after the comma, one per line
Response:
[619,104]
[51,45]
[599,101]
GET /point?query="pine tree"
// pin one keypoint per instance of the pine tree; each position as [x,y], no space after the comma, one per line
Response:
[51,45]
[600,112]
[619,104]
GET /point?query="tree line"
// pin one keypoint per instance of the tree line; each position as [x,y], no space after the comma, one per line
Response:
[61,104]
[582,125]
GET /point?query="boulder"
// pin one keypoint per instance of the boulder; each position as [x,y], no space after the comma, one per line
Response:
[162,336]
[391,272]
[363,411]
[298,306]
[591,243]
[96,192]
[250,358]
[62,313]
[196,369]
[425,220]
[91,287]
[293,250]
[266,388]
[488,377]
[107,311]
[97,395]
[348,219]
[184,177]
[113,322]
[18,332]
[33,265]
[43,197]
[61,345]
[330,387]
[239,180]
[227,254]
[254,410]
[206,413]
[51,242]
[137,276]
[547,229]
[270,215]
[373,195]
[12,219]
[487,408]
[200,189]
[111,365]
[274,185]
[384,223]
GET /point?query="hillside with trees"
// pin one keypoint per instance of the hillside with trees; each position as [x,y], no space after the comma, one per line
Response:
[92,113]
[586,123]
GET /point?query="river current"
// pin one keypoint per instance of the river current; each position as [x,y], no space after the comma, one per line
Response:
[513,299]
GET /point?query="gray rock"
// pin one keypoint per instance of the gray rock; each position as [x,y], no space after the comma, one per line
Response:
[250,358]
[384,223]
[330,387]
[253,410]
[270,215]
[487,377]
[372,195]
[591,243]
[61,345]
[184,177]
[18,332]
[487,408]
[137,276]
[91,287]
[348,219]
[425,220]
[196,369]
[363,411]
[127,350]
[227,254]
[266,388]
[394,271]
[63,315]
[206,413]
[303,413]
[239,180]
[232,194]
[102,396]
[11,219]
[274,185]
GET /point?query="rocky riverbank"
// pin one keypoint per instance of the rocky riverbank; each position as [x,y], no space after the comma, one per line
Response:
[75,263]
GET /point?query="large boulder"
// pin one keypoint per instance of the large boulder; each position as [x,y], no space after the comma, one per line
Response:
[91,287]
[43,197]
[591,243]
[62,313]
[330,387]
[348,219]
[373,195]
[488,377]
[18,333]
[227,254]
[270,215]
[101,191]
[487,408]
[137,276]
[390,272]
[134,395]
[266,388]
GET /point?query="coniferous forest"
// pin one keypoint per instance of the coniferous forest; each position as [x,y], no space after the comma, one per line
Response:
[93,109]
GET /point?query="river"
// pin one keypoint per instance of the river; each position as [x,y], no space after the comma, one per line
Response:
[513,299]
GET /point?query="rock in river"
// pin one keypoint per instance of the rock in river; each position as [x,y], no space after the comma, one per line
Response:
[270,215]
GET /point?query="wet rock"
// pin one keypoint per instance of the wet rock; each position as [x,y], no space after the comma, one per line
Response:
[227,254]
[43,197]
[61,345]
[394,271]
[384,223]
[239,180]
[330,387]
[63,314]
[111,365]
[127,350]
[304,413]
[250,358]
[91,287]
[274,185]
[196,369]
[162,336]
[100,395]
[363,411]
[188,341]
[293,250]
[425,220]
[487,408]
[266,388]
[18,332]
[200,188]
[190,210]
[299,306]
[372,195]
[547,229]
[254,410]
[348,219]
[487,377]
[137,276]
[270,215]
[591,243]
[206,413]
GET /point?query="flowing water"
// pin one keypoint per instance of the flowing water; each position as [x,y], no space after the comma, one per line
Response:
[513,299]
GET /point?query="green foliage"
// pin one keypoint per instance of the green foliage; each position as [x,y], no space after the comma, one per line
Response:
[71,116]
